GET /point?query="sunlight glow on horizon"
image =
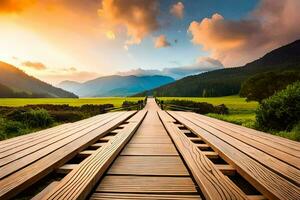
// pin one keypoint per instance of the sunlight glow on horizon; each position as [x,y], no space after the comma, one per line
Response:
[106,37]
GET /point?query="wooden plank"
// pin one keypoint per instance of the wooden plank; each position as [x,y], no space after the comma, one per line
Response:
[202,146]
[104,196]
[14,165]
[39,143]
[45,191]
[148,165]
[284,144]
[226,169]
[138,116]
[86,153]
[147,184]
[149,149]
[267,182]
[96,145]
[287,171]
[149,140]
[78,183]
[66,168]
[32,137]
[13,184]
[256,197]
[28,138]
[210,154]
[213,184]
[265,145]
[22,138]
[106,138]
[166,116]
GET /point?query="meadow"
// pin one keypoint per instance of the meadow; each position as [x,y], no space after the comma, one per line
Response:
[14,119]
[240,111]
[116,101]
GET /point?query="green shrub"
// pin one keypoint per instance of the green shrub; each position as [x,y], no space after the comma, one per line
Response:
[10,128]
[221,109]
[66,116]
[128,105]
[38,118]
[13,127]
[280,111]
[16,114]
[198,107]
[31,118]
[95,109]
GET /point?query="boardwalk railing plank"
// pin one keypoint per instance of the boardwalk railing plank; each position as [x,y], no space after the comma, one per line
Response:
[286,170]
[266,181]
[30,141]
[212,182]
[32,136]
[26,176]
[266,146]
[78,183]
[21,162]
[40,143]
[286,145]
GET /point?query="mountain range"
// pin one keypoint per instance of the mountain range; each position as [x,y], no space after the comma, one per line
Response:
[115,85]
[228,81]
[16,83]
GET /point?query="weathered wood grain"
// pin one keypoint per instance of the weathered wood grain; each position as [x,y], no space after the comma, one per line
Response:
[9,165]
[264,180]
[286,170]
[147,184]
[213,184]
[286,145]
[104,196]
[18,181]
[286,154]
[78,183]
[148,165]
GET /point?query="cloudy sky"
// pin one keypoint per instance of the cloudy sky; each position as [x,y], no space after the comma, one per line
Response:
[79,40]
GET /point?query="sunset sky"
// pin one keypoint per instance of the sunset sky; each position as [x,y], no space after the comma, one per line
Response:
[78,40]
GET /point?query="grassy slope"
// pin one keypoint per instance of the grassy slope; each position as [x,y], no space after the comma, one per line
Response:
[240,111]
[116,101]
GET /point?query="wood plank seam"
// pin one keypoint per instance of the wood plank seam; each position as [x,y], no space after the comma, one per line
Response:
[78,183]
[282,168]
[213,183]
[272,150]
[18,181]
[253,172]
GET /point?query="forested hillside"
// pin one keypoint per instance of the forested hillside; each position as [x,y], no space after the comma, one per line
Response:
[228,81]
[16,83]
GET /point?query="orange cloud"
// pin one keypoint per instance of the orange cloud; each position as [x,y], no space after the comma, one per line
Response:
[14,6]
[177,10]
[137,16]
[273,24]
[34,65]
[161,41]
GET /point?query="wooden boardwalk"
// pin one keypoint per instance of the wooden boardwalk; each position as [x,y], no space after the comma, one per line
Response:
[150,154]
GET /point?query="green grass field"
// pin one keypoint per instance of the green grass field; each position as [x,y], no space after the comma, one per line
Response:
[116,101]
[240,111]
[12,128]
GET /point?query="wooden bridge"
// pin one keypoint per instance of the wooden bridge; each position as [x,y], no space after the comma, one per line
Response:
[149,154]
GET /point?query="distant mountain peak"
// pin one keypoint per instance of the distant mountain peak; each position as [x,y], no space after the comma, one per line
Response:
[115,85]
